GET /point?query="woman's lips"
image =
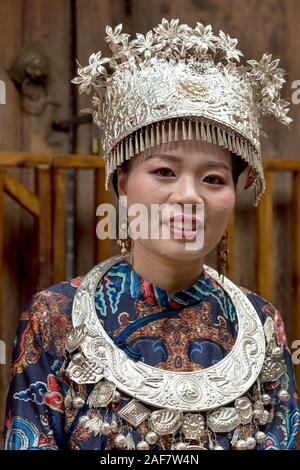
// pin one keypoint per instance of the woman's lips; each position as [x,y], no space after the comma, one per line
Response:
[184,232]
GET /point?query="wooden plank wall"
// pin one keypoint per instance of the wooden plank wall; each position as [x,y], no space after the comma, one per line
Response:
[269,26]
[22,22]
[66,30]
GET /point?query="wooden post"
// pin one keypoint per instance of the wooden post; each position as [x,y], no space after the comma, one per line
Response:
[230,243]
[2,176]
[59,225]
[2,332]
[102,247]
[264,242]
[44,227]
[296,268]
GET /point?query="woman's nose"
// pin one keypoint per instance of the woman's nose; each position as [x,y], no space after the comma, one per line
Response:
[186,190]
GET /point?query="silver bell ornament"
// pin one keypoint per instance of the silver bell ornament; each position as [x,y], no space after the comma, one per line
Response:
[83,420]
[105,428]
[258,414]
[251,442]
[78,403]
[265,418]
[218,447]
[241,445]
[142,445]
[260,437]
[120,441]
[283,395]
[266,399]
[180,446]
[277,352]
[116,397]
[151,437]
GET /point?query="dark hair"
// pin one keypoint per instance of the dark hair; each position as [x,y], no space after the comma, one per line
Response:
[238,166]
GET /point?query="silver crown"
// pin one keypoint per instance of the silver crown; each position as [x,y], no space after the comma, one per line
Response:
[179,80]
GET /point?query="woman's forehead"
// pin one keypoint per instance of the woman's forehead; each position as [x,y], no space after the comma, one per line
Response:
[180,148]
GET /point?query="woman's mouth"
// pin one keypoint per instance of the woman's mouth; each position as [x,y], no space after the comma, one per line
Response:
[184,230]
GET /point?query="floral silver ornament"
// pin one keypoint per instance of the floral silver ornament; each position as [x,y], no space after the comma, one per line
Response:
[193,426]
[165,422]
[94,424]
[272,369]
[223,420]
[126,100]
[102,394]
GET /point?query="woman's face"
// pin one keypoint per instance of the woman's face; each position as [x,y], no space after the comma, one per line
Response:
[183,172]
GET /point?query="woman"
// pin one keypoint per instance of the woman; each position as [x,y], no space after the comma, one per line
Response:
[153,349]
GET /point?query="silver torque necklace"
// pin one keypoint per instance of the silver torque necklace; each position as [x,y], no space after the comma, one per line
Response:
[202,390]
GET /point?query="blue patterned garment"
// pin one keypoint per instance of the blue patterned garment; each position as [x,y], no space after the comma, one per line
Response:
[200,330]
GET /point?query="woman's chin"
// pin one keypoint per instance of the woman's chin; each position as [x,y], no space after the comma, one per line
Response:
[177,249]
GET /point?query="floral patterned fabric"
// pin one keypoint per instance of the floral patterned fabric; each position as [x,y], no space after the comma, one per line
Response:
[201,334]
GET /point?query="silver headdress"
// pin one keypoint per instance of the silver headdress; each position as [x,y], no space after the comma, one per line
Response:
[179,76]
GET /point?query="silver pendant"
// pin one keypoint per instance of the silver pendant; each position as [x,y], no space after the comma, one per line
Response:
[102,395]
[114,423]
[269,329]
[94,425]
[223,420]
[134,413]
[244,408]
[258,410]
[272,370]
[165,422]
[75,338]
[129,442]
[88,372]
[193,426]
[68,399]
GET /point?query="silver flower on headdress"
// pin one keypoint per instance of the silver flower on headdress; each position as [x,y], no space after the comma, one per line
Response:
[228,45]
[177,75]
[268,81]
[203,39]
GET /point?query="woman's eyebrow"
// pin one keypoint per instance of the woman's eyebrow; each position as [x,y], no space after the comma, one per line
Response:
[206,164]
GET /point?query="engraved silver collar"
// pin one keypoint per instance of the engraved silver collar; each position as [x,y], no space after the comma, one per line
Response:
[202,390]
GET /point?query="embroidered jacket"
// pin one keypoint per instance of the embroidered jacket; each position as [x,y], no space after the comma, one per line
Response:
[202,332]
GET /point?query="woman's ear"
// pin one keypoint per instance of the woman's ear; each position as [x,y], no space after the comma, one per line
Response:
[122,182]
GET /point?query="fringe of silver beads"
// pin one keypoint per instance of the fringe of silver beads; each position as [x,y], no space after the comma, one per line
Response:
[168,131]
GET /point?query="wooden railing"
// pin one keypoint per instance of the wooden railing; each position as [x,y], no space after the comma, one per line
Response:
[47,205]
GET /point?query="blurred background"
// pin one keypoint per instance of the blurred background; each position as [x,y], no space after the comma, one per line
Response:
[52,179]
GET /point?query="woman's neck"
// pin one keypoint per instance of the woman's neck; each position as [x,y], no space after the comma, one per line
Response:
[168,274]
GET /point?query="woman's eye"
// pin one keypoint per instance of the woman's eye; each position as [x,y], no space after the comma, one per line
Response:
[215,179]
[164,171]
